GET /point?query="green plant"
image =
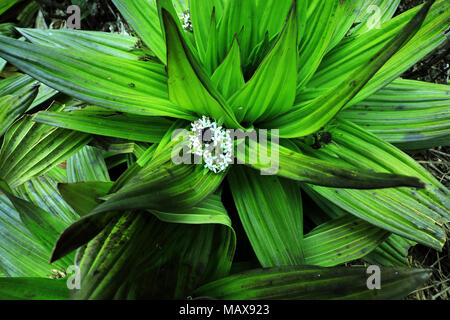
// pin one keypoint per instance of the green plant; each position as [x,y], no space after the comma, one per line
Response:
[5,5]
[160,230]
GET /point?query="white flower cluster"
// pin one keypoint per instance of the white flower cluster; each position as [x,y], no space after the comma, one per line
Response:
[213,143]
[187,22]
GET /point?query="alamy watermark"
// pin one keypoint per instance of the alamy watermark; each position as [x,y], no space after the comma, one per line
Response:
[374,281]
[74,277]
[374,21]
[74,20]
[373,15]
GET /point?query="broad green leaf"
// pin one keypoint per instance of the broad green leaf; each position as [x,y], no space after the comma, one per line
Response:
[210,210]
[430,36]
[259,53]
[109,123]
[145,154]
[141,148]
[237,20]
[33,289]
[347,13]
[270,210]
[113,145]
[228,77]
[408,113]
[43,192]
[27,13]
[30,149]
[319,29]
[21,255]
[12,106]
[83,197]
[182,5]
[16,84]
[162,183]
[114,160]
[314,283]
[328,210]
[212,60]
[163,187]
[121,84]
[43,226]
[7,29]
[304,168]
[188,84]
[87,165]
[306,120]
[142,15]
[88,182]
[392,252]
[373,14]
[201,21]
[176,259]
[6,4]
[168,7]
[271,90]
[58,173]
[410,213]
[341,240]
[271,17]
[117,45]
[355,52]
